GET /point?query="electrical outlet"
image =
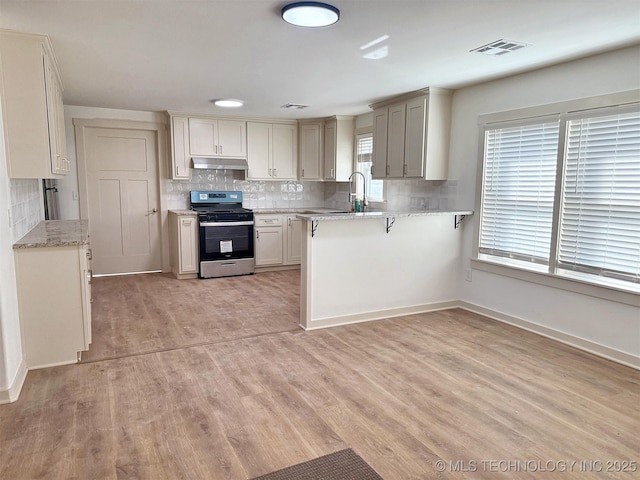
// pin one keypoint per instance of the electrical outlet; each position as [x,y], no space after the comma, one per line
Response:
[467,274]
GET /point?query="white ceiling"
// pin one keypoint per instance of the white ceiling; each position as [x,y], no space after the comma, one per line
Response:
[181,54]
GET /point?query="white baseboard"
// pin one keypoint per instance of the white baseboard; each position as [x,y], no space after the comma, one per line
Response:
[378,315]
[568,339]
[12,394]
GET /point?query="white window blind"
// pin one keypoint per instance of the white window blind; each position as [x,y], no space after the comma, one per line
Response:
[364,159]
[600,220]
[519,191]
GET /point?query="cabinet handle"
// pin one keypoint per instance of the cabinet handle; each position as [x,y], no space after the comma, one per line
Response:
[90,277]
[257,233]
[275,172]
[387,171]
[216,149]
[371,170]
[220,149]
[302,173]
[89,255]
[333,173]
[270,174]
[289,219]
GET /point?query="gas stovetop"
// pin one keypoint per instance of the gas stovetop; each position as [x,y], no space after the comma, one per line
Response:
[219,206]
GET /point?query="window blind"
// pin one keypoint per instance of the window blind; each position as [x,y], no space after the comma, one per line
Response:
[364,148]
[364,158]
[600,220]
[519,190]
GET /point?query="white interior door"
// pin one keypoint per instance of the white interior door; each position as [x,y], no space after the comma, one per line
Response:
[123,199]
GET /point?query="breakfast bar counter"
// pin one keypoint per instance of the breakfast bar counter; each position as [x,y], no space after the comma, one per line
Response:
[395,263]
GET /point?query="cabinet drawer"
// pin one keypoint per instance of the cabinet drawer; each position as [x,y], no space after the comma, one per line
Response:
[268,221]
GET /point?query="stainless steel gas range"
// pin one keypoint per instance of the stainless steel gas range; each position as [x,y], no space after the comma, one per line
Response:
[226,234]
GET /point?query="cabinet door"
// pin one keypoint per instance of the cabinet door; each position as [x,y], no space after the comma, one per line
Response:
[380,120]
[180,157]
[268,246]
[310,151]
[395,139]
[259,151]
[330,133]
[284,152]
[203,137]
[294,240]
[55,118]
[414,144]
[87,277]
[232,138]
[188,244]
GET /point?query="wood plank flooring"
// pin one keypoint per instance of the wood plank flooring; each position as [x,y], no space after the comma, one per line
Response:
[404,393]
[136,314]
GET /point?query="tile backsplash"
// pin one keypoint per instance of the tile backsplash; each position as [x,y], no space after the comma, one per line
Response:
[414,194]
[256,194]
[26,205]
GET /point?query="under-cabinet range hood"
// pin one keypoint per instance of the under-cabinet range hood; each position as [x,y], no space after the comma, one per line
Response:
[219,163]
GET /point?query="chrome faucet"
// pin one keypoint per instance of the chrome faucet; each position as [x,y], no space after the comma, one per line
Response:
[365,202]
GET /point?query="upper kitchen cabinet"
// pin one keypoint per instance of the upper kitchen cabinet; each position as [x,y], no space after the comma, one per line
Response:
[338,148]
[411,135]
[311,133]
[180,157]
[211,137]
[32,107]
[272,151]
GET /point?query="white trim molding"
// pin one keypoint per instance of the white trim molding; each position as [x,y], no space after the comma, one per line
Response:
[568,339]
[13,392]
[377,315]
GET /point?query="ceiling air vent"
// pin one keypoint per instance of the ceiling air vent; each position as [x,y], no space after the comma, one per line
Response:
[294,106]
[500,47]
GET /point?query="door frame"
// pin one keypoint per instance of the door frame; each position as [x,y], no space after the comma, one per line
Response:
[160,130]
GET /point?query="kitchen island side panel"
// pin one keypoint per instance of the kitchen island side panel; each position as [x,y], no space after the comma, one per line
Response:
[356,271]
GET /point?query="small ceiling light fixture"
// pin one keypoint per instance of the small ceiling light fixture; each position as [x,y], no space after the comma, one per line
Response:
[228,103]
[310,14]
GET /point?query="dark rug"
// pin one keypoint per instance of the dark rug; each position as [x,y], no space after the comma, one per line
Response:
[342,465]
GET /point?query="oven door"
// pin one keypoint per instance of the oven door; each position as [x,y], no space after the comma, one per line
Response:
[226,240]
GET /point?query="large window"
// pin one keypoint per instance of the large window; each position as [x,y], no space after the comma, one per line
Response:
[561,194]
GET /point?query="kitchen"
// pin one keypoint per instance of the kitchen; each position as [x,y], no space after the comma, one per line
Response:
[555,312]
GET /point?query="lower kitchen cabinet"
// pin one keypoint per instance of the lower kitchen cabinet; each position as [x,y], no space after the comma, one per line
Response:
[278,240]
[54,297]
[293,240]
[183,254]
[268,240]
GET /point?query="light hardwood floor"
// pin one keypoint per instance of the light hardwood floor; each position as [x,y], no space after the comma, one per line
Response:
[404,393]
[135,314]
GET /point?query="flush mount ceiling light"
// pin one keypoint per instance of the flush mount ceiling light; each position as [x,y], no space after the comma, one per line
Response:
[310,14]
[500,47]
[228,103]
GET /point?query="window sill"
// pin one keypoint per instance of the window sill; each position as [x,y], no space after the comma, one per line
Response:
[612,290]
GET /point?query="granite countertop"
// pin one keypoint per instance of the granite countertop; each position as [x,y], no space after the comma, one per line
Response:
[56,233]
[380,214]
[184,212]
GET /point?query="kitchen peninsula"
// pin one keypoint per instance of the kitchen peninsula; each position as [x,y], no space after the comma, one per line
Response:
[367,266]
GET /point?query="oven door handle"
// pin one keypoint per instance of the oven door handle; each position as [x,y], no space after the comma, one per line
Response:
[225,224]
